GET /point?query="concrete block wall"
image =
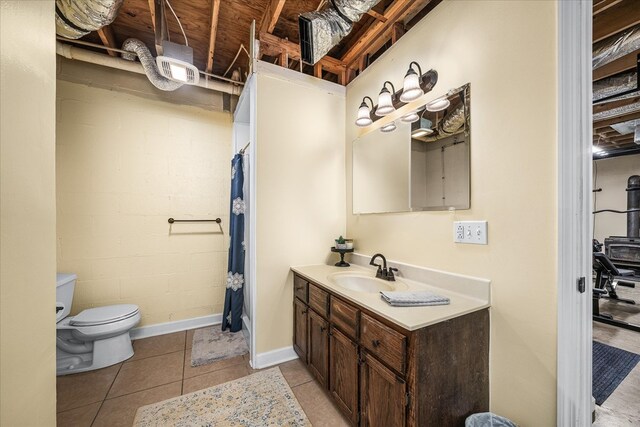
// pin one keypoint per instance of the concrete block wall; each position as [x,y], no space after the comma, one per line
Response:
[124,165]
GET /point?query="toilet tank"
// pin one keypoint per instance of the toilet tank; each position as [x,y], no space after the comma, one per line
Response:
[65,285]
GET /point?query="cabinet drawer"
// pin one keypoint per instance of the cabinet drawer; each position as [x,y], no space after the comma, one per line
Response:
[388,345]
[318,300]
[344,316]
[300,288]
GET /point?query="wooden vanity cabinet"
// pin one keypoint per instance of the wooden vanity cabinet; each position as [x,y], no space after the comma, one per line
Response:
[318,358]
[300,316]
[343,373]
[380,374]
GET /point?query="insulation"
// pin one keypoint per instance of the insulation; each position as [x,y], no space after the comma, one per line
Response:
[613,85]
[76,18]
[453,121]
[148,64]
[321,30]
[616,47]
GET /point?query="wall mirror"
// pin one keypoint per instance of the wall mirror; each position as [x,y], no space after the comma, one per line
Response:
[420,166]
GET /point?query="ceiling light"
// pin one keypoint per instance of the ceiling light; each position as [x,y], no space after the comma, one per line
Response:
[422,129]
[364,113]
[178,72]
[411,89]
[176,63]
[411,117]
[388,128]
[385,100]
[438,104]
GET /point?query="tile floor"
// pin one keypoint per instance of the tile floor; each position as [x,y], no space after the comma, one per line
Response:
[161,369]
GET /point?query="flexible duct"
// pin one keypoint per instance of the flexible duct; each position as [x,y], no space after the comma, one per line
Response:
[148,64]
[71,52]
[321,30]
[612,85]
[76,18]
[450,125]
[615,47]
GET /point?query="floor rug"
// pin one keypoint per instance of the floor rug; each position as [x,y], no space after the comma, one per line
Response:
[610,366]
[261,399]
[212,344]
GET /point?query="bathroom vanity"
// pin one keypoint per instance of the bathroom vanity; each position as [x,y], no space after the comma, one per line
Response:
[391,366]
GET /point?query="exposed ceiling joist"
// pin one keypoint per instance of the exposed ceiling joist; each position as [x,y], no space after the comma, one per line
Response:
[624,63]
[602,5]
[617,119]
[397,11]
[605,106]
[274,46]
[380,17]
[213,31]
[271,15]
[159,24]
[108,39]
[615,19]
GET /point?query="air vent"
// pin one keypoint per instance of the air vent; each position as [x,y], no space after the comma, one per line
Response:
[177,70]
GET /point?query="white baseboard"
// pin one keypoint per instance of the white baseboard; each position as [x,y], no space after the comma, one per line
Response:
[176,326]
[274,357]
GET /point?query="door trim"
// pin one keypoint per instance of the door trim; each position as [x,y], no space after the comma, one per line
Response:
[574,357]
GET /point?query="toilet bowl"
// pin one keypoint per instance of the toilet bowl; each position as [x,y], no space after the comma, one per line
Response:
[96,337]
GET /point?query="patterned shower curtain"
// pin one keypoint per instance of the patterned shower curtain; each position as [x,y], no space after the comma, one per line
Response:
[234,297]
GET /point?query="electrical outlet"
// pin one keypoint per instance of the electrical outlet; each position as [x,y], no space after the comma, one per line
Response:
[470,232]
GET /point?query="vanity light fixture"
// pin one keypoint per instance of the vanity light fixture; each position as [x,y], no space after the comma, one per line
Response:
[388,128]
[385,100]
[438,104]
[411,89]
[411,117]
[364,113]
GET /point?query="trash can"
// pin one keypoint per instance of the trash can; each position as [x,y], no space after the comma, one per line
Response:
[488,419]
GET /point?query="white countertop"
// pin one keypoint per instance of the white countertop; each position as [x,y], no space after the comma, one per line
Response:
[409,318]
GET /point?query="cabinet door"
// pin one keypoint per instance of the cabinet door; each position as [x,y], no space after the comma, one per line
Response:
[300,329]
[383,397]
[318,347]
[343,373]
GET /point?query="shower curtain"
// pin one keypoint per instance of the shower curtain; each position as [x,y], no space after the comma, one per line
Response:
[234,296]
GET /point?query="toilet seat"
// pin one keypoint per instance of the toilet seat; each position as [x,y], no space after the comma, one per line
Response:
[104,315]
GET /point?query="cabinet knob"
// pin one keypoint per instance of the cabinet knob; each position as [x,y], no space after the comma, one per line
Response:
[375,343]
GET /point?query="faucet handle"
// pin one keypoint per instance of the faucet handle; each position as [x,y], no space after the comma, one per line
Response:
[390,275]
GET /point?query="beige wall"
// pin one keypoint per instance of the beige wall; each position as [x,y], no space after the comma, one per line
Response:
[27,214]
[124,165]
[612,176]
[300,192]
[507,51]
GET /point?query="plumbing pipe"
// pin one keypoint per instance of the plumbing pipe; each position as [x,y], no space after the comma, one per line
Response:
[71,52]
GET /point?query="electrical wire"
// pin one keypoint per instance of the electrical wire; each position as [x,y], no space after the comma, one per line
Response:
[240,49]
[186,42]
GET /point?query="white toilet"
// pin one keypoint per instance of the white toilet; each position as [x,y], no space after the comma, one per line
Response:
[95,338]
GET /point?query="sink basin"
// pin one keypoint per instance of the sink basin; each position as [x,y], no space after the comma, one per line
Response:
[363,283]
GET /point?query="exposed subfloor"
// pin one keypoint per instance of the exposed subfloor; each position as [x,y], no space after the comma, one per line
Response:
[622,408]
[161,369]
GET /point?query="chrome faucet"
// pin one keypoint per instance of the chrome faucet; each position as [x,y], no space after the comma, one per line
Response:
[383,272]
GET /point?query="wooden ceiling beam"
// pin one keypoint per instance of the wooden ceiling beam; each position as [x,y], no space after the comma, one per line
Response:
[274,46]
[615,19]
[396,12]
[624,63]
[108,39]
[213,31]
[617,119]
[602,5]
[159,24]
[271,15]
[380,17]
[606,106]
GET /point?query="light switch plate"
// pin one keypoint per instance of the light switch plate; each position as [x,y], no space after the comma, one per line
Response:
[470,232]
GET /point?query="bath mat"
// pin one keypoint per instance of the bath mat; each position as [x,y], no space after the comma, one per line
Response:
[211,344]
[610,366]
[261,399]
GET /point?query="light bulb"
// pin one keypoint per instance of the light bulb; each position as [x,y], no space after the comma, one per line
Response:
[411,89]
[364,115]
[385,103]
[388,128]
